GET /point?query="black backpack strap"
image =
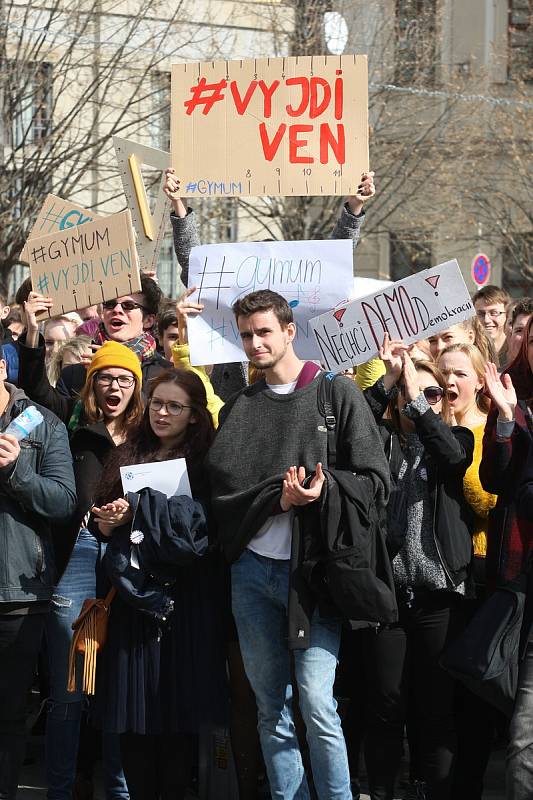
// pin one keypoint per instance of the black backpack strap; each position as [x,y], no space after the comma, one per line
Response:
[325,406]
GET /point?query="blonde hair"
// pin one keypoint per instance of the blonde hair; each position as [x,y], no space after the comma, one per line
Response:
[478,361]
[483,343]
[78,345]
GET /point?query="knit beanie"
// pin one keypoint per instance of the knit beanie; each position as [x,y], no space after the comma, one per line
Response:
[113,354]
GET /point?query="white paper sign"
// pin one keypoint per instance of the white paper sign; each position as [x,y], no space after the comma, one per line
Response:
[312,276]
[168,477]
[411,309]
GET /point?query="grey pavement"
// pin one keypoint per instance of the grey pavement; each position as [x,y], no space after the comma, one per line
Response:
[33,784]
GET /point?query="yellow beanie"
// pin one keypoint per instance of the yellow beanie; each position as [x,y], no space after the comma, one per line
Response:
[113,354]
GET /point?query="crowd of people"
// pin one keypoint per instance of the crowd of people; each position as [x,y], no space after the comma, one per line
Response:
[239,605]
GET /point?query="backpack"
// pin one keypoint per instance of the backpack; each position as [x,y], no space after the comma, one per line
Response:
[358,571]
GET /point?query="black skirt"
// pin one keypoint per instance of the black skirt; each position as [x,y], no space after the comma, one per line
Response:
[167,678]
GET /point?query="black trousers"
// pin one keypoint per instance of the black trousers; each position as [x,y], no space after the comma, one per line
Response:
[156,767]
[403,666]
[20,641]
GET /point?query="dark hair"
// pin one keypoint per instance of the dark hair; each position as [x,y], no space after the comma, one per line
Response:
[522,306]
[151,293]
[520,370]
[165,320]
[491,294]
[13,316]
[264,300]
[143,445]
[23,292]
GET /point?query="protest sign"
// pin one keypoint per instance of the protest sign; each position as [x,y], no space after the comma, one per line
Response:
[82,266]
[149,227]
[56,215]
[270,126]
[312,276]
[411,309]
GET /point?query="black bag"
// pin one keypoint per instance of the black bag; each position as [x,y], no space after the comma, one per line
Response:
[358,571]
[486,656]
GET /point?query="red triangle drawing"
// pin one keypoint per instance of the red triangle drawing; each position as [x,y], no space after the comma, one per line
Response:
[339,314]
[433,280]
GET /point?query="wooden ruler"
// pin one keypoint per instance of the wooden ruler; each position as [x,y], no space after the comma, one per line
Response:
[149,227]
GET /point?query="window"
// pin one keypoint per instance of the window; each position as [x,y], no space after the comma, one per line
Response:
[408,254]
[517,262]
[415,42]
[167,268]
[160,118]
[31,105]
[520,38]
[217,220]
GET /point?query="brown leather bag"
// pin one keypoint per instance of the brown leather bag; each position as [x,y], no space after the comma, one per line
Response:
[90,634]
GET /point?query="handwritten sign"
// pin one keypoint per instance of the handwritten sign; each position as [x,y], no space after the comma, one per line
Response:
[85,265]
[270,126]
[56,215]
[312,276]
[411,309]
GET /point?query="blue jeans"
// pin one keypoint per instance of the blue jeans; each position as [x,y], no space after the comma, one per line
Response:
[260,592]
[78,582]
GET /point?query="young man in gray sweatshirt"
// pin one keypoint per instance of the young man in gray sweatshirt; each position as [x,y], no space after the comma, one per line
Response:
[271,437]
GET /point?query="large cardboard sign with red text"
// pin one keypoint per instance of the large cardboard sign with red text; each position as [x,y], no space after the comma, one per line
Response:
[87,264]
[270,126]
[411,309]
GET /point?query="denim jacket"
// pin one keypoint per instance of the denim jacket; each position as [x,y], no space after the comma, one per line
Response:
[36,493]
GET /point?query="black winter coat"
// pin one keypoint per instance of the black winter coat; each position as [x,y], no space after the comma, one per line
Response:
[90,445]
[449,453]
[61,400]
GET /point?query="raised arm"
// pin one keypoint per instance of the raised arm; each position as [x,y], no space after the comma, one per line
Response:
[32,371]
[183,222]
[348,225]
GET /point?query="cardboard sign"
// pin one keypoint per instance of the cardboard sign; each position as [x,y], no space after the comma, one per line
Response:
[150,228]
[56,215]
[270,126]
[85,265]
[311,276]
[411,309]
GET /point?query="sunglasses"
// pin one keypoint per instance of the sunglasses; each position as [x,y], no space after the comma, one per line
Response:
[126,305]
[433,394]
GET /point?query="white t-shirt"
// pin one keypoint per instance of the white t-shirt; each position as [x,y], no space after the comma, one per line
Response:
[273,539]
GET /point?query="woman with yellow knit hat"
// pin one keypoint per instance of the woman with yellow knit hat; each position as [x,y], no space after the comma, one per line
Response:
[110,403]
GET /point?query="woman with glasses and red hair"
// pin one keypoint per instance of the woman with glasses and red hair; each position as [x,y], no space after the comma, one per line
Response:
[430,548]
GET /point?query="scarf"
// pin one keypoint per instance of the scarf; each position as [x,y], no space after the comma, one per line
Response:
[144,346]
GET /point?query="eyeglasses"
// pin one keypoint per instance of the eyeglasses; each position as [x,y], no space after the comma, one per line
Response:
[432,393]
[492,313]
[105,379]
[126,305]
[172,407]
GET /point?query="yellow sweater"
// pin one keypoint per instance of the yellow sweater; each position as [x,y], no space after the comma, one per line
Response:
[181,359]
[478,499]
[367,374]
